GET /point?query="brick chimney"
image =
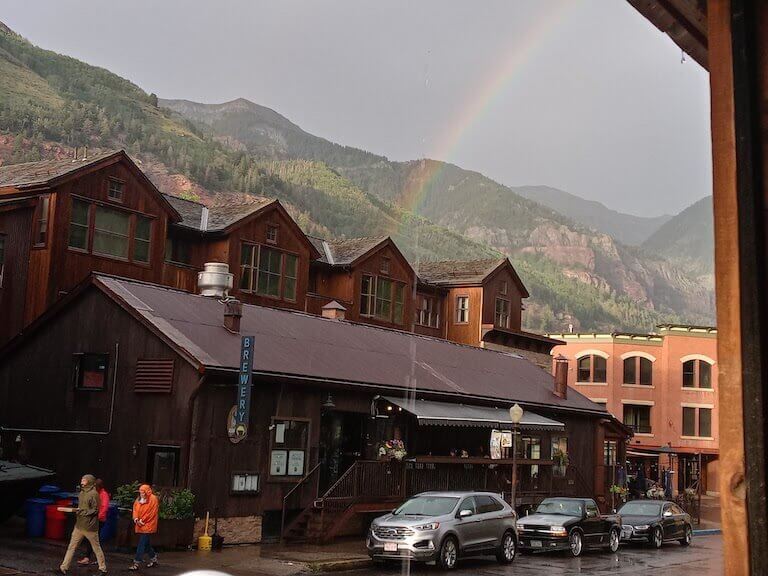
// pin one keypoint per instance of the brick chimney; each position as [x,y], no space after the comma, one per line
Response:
[561,376]
[233,312]
[334,311]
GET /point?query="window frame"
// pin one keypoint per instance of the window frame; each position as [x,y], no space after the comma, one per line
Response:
[42,222]
[78,371]
[428,314]
[462,312]
[699,412]
[501,318]
[385,265]
[152,450]
[272,234]
[122,186]
[637,411]
[252,270]
[273,446]
[104,232]
[3,251]
[694,428]
[368,297]
[637,363]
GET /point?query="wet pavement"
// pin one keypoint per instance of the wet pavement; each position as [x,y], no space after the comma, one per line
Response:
[703,558]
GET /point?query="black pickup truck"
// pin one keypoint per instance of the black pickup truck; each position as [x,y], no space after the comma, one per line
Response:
[572,524]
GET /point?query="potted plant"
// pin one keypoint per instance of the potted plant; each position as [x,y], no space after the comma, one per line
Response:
[392,450]
[176,522]
[620,491]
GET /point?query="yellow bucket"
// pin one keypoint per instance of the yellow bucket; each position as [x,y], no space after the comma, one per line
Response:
[204,542]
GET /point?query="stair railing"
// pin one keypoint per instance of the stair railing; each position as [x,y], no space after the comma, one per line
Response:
[295,494]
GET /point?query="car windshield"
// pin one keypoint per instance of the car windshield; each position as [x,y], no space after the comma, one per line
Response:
[563,507]
[639,508]
[427,506]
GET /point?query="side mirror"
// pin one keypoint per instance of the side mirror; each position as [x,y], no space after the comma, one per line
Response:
[465,513]
[613,511]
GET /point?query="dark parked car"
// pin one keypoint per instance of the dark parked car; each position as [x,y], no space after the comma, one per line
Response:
[655,522]
[571,524]
[442,526]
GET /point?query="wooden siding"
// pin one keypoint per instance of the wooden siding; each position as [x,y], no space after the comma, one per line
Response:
[16,226]
[40,394]
[492,287]
[468,333]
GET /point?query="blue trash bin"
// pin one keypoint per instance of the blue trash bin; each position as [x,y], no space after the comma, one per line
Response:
[109,528]
[48,490]
[35,508]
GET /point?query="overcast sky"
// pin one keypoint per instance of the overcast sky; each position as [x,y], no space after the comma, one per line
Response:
[582,95]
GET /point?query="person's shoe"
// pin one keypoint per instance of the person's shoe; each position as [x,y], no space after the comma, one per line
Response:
[63,572]
[103,572]
[134,567]
[84,561]
[152,562]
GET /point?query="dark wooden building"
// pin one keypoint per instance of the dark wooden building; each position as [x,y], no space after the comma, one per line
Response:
[131,380]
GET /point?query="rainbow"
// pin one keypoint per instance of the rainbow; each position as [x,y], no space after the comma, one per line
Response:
[482,101]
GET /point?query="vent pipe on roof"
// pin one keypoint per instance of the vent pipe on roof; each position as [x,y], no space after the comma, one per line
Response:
[233,312]
[561,376]
[204,219]
[215,280]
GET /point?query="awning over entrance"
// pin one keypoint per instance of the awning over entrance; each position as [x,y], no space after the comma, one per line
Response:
[447,414]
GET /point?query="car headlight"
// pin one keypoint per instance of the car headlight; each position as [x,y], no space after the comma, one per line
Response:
[642,527]
[558,530]
[427,527]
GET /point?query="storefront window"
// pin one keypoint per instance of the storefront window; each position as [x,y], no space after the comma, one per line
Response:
[289,441]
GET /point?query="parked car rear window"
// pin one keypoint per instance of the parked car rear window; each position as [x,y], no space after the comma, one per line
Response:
[487,504]
[640,508]
[563,507]
[427,506]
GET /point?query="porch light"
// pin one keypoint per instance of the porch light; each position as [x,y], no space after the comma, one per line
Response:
[329,404]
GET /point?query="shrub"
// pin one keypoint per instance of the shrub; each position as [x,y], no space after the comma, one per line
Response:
[126,494]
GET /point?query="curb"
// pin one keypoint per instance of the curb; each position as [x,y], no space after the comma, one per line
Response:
[707,532]
[339,565]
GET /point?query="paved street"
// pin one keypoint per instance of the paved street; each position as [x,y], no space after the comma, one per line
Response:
[704,558]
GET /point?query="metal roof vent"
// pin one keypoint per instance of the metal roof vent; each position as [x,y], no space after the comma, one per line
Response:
[215,280]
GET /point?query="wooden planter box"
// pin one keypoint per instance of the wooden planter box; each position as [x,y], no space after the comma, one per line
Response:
[170,533]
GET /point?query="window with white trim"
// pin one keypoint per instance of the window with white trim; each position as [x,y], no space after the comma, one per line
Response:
[591,368]
[115,189]
[501,316]
[697,374]
[638,371]
[428,314]
[462,309]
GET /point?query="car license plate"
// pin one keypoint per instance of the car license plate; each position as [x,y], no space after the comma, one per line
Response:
[536,544]
[390,546]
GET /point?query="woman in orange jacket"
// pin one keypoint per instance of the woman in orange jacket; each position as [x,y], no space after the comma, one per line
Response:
[145,513]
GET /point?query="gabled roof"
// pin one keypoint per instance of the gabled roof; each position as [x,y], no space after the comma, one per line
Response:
[465,272]
[43,174]
[303,347]
[345,252]
[28,174]
[217,217]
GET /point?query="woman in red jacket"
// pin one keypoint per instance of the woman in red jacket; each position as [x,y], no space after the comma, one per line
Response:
[145,513]
[90,557]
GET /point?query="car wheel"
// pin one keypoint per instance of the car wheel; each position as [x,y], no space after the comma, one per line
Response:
[449,553]
[686,539]
[657,537]
[576,543]
[613,540]
[508,549]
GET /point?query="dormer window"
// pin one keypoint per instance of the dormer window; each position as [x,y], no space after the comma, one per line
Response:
[385,265]
[503,289]
[272,233]
[115,189]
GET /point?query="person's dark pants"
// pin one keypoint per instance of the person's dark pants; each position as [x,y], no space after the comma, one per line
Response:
[144,547]
[88,548]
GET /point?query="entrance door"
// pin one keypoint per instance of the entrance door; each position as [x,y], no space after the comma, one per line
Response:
[342,439]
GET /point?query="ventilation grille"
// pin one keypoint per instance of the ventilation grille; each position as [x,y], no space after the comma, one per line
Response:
[154,376]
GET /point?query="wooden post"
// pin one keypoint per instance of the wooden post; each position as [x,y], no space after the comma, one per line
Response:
[736,267]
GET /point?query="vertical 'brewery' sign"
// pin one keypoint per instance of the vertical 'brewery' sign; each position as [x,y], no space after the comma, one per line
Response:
[242,409]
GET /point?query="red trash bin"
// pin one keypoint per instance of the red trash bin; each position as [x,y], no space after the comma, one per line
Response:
[54,522]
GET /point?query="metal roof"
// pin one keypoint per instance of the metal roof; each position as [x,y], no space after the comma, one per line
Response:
[450,414]
[312,348]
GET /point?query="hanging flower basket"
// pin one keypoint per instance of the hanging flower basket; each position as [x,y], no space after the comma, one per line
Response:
[392,450]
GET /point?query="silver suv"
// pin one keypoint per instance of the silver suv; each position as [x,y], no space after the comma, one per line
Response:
[442,526]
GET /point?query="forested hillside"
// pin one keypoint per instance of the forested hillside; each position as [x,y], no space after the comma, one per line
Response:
[51,103]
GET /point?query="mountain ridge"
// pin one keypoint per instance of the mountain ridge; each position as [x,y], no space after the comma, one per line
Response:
[51,103]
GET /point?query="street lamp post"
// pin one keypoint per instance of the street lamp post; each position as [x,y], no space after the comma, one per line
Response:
[515,414]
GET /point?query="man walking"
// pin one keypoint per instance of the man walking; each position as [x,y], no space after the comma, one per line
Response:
[145,513]
[86,525]
[88,558]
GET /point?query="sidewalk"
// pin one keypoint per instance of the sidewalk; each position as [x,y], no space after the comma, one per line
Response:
[22,555]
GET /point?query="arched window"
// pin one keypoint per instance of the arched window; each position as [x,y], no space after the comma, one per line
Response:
[592,368]
[697,373]
[638,370]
